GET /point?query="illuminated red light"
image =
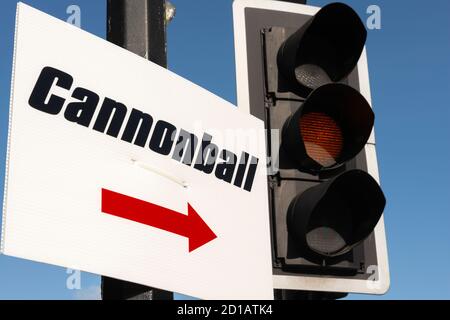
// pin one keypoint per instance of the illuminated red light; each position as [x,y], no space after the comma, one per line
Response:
[322,138]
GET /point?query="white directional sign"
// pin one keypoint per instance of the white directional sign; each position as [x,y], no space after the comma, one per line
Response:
[119,167]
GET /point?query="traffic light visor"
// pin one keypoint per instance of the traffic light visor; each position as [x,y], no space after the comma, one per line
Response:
[324,50]
[331,218]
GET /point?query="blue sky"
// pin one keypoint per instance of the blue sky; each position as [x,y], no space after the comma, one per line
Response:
[409,61]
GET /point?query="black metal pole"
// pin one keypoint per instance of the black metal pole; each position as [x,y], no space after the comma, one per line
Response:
[282,294]
[139,26]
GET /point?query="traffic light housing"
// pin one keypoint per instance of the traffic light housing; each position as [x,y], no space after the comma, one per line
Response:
[303,71]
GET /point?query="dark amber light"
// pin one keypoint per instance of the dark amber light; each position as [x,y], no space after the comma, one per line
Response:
[322,138]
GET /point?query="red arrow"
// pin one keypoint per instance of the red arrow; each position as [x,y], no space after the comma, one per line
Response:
[190,226]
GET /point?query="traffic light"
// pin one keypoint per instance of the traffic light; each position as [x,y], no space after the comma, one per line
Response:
[303,71]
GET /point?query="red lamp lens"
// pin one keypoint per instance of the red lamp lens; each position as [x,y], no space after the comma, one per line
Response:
[322,138]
